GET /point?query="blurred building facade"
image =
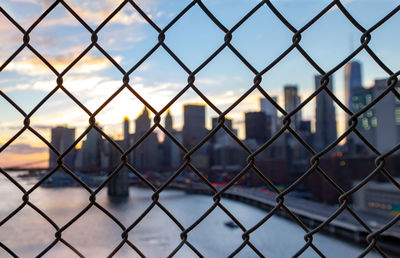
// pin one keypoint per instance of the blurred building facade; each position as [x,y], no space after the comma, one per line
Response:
[257,126]
[352,81]
[325,116]
[61,139]
[194,130]
[292,101]
[381,198]
[270,111]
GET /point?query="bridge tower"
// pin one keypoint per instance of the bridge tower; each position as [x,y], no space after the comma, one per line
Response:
[118,186]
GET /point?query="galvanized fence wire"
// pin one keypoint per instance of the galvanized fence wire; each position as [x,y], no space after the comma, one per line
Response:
[372,237]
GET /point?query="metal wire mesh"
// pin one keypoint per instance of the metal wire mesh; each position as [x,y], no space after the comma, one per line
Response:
[372,237]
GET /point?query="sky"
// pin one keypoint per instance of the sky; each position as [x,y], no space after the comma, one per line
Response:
[128,37]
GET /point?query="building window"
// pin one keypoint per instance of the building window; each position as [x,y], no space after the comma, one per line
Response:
[398,115]
[365,124]
[368,98]
[374,121]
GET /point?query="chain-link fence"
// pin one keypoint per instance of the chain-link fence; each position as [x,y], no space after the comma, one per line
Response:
[373,235]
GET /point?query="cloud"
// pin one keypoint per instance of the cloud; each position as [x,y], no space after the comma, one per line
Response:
[93,12]
[91,16]
[94,90]
[80,84]
[128,21]
[10,38]
[24,149]
[38,2]
[37,127]
[33,66]
[347,1]
[18,87]
[12,159]
[28,66]
[344,2]
[211,81]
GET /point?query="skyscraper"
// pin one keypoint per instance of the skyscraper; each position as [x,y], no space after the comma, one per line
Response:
[380,124]
[384,118]
[270,110]
[256,125]
[144,156]
[171,152]
[194,129]
[168,122]
[360,98]
[61,139]
[142,122]
[126,139]
[325,117]
[292,100]
[352,81]
[356,97]
[92,152]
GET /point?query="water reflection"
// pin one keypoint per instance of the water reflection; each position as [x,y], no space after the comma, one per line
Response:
[96,235]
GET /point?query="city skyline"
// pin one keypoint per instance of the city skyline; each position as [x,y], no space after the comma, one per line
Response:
[221,158]
[26,80]
[238,124]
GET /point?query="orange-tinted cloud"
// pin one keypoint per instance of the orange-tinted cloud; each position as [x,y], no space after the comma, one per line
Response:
[25,156]
[33,66]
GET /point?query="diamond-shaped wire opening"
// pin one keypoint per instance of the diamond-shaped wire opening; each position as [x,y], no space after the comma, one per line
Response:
[272,230]
[304,14]
[49,199]
[282,80]
[258,130]
[269,37]
[35,232]
[26,76]
[92,81]
[229,15]
[159,79]
[140,37]
[61,250]
[379,46]
[202,36]
[369,15]
[160,12]
[51,115]
[318,40]
[104,237]
[10,188]
[11,121]
[59,47]
[149,240]
[94,13]
[215,222]
[35,11]
[24,151]
[13,36]
[223,87]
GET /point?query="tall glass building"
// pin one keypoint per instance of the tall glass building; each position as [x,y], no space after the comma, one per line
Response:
[325,117]
[352,80]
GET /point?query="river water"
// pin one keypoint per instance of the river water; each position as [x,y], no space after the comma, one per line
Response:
[96,235]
